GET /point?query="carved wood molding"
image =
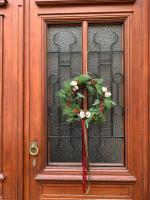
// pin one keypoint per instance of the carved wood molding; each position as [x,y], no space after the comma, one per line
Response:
[3,2]
[2,177]
[104,178]
[1,93]
[71,2]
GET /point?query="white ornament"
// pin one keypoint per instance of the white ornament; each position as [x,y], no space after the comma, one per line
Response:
[74,83]
[88,114]
[75,88]
[107,94]
[82,114]
[104,89]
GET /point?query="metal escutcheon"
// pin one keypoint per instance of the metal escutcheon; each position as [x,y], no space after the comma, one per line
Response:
[34,149]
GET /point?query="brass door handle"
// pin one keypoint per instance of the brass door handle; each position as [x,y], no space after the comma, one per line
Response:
[34,149]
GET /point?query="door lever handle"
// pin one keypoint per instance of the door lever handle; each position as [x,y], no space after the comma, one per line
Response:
[34,149]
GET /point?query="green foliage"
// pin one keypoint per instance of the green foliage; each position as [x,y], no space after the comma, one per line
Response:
[108,103]
[98,88]
[90,89]
[79,95]
[67,86]
[96,102]
[99,81]
[82,79]
[70,99]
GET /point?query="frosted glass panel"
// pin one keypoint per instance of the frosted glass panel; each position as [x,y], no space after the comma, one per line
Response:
[64,62]
[105,60]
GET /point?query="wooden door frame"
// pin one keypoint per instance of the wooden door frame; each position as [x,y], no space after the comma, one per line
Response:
[148,137]
[20,74]
[145,146]
[14,104]
[2,176]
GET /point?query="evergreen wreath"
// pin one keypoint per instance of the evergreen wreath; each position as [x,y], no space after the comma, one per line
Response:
[72,95]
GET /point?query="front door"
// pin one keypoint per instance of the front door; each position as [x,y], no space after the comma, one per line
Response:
[105,39]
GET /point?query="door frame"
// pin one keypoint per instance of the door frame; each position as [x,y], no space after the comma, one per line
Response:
[45,19]
[15,22]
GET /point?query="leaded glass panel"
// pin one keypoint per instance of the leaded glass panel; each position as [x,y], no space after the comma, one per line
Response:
[64,62]
[105,59]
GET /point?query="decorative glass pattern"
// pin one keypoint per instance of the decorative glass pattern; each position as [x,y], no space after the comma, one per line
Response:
[64,62]
[105,59]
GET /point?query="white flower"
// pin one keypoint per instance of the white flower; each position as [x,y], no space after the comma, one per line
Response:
[104,89]
[88,114]
[82,114]
[107,94]
[75,88]
[74,83]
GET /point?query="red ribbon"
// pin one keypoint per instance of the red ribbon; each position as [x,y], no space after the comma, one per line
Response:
[84,158]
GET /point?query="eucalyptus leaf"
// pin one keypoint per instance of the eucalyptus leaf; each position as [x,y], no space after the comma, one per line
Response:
[80,95]
[97,101]
[87,123]
[70,120]
[108,103]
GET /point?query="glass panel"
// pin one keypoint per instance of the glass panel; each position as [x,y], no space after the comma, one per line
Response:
[105,60]
[64,62]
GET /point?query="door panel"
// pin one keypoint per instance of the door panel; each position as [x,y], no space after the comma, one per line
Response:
[98,191]
[113,45]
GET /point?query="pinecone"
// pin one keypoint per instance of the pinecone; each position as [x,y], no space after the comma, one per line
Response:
[75,110]
[68,102]
[101,107]
[93,82]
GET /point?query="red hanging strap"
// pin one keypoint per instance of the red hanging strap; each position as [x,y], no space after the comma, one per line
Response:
[84,158]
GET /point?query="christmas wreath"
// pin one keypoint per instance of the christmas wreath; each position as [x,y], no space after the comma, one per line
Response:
[72,96]
[72,93]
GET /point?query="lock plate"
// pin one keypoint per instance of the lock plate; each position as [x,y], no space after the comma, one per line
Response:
[34,150]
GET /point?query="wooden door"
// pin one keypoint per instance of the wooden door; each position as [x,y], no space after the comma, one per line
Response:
[107,39]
